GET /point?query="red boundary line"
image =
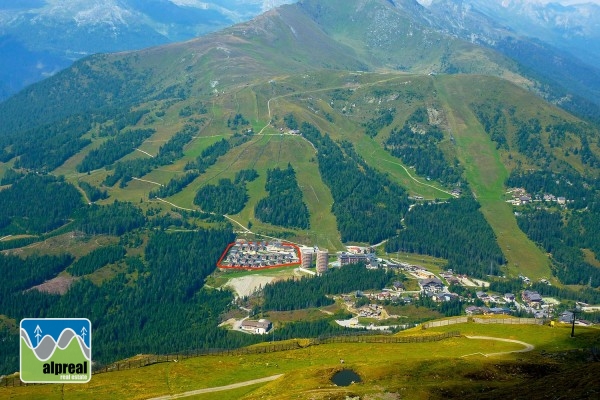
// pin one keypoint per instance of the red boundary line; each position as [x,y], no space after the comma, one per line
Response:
[221,266]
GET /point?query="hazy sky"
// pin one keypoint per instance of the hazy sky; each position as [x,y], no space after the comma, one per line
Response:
[564,2]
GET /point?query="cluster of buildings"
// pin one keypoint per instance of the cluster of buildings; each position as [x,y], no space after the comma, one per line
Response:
[251,255]
[532,298]
[521,197]
[370,311]
[474,310]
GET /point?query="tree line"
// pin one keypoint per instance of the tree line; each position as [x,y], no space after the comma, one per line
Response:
[416,144]
[92,192]
[125,171]
[37,204]
[96,259]
[491,116]
[368,206]
[113,219]
[284,205]
[211,154]
[455,230]
[224,198]
[310,292]
[114,149]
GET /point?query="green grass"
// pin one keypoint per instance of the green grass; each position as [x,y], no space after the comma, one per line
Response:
[66,243]
[486,175]
[267,152]
[419,368]
[377,157]
[308,97]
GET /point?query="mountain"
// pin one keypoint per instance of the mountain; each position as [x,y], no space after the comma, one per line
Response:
[556,43]
[572,28]
[40,37]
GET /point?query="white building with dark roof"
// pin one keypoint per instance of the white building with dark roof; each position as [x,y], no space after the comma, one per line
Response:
[259,327]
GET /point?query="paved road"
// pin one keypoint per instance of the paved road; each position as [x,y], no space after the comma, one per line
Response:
[528,347]
[218,389]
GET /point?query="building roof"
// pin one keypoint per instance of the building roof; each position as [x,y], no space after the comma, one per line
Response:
[431,281]
[263,323]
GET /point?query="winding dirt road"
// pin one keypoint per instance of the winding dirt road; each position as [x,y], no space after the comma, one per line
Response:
[218,388]
[528,347]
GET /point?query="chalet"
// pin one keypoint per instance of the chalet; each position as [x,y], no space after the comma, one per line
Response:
[509,297]
[442,297]
[566,317]
[473,310]
[525,199]
[483,296]
[532,298]
[259,327]
[452,280]
[432,285]
[399,286]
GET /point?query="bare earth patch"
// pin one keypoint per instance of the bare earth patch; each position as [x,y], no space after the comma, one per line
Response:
[58,285]
[247,285]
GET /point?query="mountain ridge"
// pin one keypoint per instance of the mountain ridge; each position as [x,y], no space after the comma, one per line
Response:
[79,28]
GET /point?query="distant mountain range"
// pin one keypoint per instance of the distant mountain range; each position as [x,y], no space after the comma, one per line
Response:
[554,41]
[574,28]
[40,37]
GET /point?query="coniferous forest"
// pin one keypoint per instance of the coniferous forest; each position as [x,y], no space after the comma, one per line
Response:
[368,206]
[224,198]
[310,292]
[50,202]
[284,205]
[156,304]
[455,230]
[416,143]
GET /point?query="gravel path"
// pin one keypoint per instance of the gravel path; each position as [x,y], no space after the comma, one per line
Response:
[528,347]
[218,389]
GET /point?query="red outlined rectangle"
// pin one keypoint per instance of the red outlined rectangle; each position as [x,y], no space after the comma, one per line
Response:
[248,268]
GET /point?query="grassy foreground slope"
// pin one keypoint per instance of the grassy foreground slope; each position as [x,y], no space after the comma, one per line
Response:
[450,368]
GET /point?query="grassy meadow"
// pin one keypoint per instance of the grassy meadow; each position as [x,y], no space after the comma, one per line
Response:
[414,370]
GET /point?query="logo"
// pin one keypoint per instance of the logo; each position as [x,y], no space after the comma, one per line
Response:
[56,350]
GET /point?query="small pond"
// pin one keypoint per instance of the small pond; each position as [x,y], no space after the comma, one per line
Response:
[345,377]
